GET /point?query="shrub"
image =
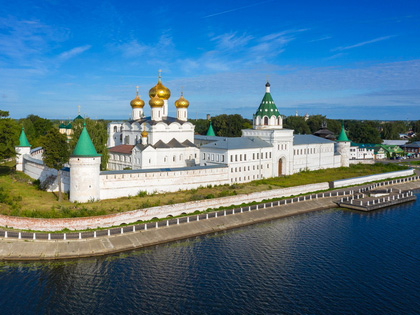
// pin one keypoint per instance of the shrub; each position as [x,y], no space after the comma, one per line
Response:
[142,193]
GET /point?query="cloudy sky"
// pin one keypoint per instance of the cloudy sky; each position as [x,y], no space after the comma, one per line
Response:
[343,59]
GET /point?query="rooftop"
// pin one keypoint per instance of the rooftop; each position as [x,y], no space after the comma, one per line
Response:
[238,143]
[309,139]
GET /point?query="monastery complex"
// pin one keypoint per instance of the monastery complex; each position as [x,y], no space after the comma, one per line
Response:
[160,153]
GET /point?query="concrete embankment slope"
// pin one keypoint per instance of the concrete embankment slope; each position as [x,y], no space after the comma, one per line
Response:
[14,249]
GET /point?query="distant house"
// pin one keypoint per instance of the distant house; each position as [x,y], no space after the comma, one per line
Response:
[360,151]
[412,148]
[325,133]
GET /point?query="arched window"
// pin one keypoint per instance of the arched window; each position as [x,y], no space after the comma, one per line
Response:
[266,121]
[115,129]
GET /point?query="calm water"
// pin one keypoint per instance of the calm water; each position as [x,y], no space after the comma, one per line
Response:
[329,262]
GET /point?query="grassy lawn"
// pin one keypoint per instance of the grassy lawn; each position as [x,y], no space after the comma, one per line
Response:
[20,197]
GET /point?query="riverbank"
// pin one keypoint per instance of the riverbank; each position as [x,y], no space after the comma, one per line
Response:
[19,249]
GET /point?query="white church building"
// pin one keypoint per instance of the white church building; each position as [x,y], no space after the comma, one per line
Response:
[159,153]
[266,150]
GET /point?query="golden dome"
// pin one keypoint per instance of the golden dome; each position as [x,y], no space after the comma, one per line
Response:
[160,90]
[182,102]
[144,133]
[137,102]
[155,101]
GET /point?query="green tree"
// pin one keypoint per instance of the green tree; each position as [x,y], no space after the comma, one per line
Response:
[334,126]
[4,114]
[390,131]
[201,125]
[98,133]
[56,154]
[364,131]
[9,135]
[229,125]
[415,126]
[297,123]
[35,128]
[314,122]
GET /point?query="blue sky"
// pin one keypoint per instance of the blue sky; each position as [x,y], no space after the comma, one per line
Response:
[343,59]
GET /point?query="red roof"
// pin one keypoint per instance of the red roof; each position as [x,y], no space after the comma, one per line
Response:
[122,148]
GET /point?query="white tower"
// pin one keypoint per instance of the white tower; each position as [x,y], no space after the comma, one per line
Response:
[23,148]
[343,147]
[84,170]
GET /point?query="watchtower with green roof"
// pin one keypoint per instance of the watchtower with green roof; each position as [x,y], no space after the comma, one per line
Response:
[267,115]
[84,170]
[210,131]
[343,147]
[23,148]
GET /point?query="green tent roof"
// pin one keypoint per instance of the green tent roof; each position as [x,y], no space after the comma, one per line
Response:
[62,126]
[343,136]
[78,117]
[84,146]
[210,131]
[267,107]
[23,141]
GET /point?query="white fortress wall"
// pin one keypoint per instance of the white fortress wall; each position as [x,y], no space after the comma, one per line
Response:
[115,184]
[314,157]
[150,213]
[36,169]
[370,178]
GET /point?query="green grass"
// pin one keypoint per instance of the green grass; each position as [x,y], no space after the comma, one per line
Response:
[20,197]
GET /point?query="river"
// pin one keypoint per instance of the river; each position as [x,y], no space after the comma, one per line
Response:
[328,262]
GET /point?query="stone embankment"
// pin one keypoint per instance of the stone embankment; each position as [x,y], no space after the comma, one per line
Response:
[74,245]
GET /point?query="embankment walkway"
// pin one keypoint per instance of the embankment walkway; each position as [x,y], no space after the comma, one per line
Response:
[131,237]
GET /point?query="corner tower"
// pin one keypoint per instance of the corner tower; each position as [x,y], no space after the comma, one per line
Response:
[267,115]
[84,170]
[23,148]
[343,147]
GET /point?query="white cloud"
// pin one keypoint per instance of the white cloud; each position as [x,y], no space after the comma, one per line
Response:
[379,39]
[73,52]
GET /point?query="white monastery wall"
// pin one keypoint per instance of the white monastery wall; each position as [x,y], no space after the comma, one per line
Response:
[36,169]
[130,183]
[314,157]
[370,178]
[154,212]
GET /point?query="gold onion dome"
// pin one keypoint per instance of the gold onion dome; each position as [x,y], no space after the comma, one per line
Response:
[144,133]
[155,101]
[182,102]
[160,90]
[137,102]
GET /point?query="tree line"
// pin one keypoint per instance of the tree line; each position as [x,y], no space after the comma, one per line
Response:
[358,131]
